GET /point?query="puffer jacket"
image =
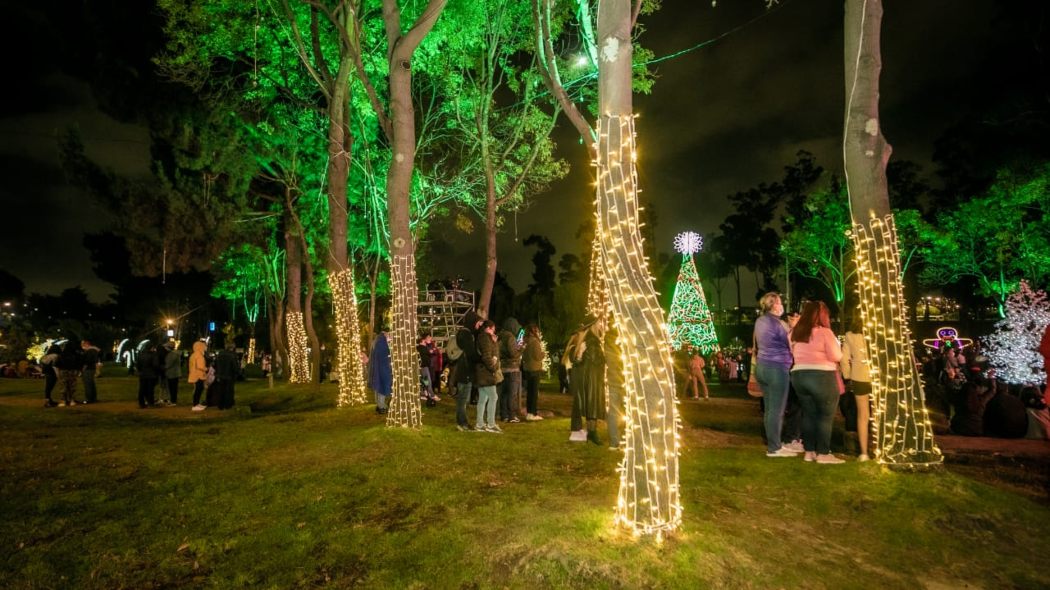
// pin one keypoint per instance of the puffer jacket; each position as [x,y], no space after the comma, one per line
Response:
[198,367]
[532,358]
[509,350]
[487,371]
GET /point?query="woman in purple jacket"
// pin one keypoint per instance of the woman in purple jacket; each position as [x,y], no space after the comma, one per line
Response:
[772,370]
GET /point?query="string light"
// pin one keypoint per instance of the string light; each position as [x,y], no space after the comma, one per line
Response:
[901,422]
[251,350]
[405,411]
[348,334]
[648,501]
[1014,346]
[689,321]
[298,358]
[597,291]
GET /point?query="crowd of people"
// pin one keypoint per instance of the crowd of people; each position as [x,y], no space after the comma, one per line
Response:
[158,368]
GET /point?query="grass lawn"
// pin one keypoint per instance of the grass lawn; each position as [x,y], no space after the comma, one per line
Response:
[295,493]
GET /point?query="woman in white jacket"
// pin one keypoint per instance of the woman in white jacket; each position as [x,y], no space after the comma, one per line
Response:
[854,365]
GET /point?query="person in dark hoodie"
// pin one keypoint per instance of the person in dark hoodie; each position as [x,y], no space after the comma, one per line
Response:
[89,357]
[380,372]
[510,350]
[47,365]
[69,364]
[148,366]
[463,363]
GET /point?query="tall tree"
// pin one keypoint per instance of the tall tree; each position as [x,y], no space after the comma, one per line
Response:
[904,432]
[649,490]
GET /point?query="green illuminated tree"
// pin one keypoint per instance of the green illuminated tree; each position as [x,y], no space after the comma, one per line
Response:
[997,238]
[818,246]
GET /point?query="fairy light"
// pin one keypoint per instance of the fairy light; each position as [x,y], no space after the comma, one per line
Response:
[901,422]
[597,291]
[689,321]
[648,501]
[404,411]
[1014,346]
[348,349]
[251,349]
[298,359]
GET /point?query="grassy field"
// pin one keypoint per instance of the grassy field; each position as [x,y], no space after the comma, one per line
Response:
[295,493]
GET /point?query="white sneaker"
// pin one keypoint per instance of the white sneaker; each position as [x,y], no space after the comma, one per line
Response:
[863,458]
[533,418]
[810,457]
[494,429]
[829,459]
[578,436]
[199,408]
[795,445]
[782,452]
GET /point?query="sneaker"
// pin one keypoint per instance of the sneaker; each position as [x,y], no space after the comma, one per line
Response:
[464,428]
[782,452]
[810,457]
[795,445]
[436,398]
[862,458]
[592,436]
[578,436]
[494,429]
[532,418]
[514,420]
[829,459]
[199,408]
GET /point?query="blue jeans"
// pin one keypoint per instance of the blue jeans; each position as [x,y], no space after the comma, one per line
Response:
[487,400]
[818,392]
[773,380]
[510,395]
[462,399]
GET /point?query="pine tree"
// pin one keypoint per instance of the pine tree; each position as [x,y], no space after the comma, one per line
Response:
[1014,346]
[689,320]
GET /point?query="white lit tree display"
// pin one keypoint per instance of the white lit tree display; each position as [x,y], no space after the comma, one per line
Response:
[1014,346]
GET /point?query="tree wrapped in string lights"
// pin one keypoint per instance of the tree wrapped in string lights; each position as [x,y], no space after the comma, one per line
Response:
[597,291]
[1014,346]
[903,430]
[689,321]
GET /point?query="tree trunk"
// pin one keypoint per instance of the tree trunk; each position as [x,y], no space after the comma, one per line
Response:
[404,410]
[340,269]
[489,282]
[649,490]
[904,436]
[298,361]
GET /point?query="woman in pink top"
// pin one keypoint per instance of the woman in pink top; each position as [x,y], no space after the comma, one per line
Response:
[817,355]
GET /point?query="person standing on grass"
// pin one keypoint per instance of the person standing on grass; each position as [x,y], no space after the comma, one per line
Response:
[590,360]
[227,366]
[463,356]
[510,352]
[772,364]
[47,365]
[380,372]
[696,375]
[148,366]
[854,365]
[89,358]
[532,364]
[172,372]
[487,376]
[198,373]
[69,365]
[815,378]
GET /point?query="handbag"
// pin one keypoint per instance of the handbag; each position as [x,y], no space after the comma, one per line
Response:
[753,388]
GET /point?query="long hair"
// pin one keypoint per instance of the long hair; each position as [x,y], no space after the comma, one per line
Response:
[814,314]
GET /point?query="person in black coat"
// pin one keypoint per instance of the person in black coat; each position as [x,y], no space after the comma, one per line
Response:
[226,368]
[69,365]
[148,366]
[462,377]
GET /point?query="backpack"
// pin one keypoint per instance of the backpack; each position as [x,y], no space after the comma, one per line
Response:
[453,350]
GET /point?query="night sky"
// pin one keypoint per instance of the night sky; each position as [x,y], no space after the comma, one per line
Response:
[720,119]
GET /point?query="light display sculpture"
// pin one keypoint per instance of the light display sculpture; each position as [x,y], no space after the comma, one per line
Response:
[1014,346]
[689,322]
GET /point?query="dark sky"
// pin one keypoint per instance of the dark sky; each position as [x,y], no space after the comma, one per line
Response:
[720,119]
